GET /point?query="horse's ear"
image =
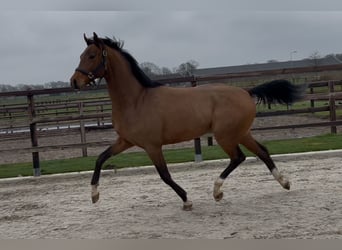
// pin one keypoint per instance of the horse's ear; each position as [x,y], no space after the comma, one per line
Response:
[97,40]
[86,39]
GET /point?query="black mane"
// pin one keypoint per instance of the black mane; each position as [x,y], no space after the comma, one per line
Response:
[142,78]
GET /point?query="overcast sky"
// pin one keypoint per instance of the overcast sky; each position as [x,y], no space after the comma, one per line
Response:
[41,40]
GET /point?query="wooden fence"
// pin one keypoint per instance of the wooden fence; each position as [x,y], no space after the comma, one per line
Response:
[34,116]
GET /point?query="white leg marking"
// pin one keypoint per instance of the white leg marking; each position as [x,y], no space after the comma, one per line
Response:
[276,174]
[284,182]
[95,195]
[187,206]
[218,194]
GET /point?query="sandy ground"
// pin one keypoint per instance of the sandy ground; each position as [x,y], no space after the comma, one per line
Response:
[136,204]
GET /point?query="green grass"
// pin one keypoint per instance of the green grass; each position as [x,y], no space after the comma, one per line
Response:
[302,105]
[317,143]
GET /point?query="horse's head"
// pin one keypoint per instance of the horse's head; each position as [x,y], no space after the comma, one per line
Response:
[92,63]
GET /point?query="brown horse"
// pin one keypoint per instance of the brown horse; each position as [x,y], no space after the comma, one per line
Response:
[149,115]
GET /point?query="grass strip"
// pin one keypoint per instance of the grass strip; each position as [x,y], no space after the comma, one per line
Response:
[135,159]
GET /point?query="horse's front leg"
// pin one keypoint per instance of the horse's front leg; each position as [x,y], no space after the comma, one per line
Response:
[158,160]
[119,146]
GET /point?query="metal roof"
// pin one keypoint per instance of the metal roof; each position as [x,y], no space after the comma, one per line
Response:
[330,60]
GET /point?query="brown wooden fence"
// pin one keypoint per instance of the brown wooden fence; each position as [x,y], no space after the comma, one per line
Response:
[33,115]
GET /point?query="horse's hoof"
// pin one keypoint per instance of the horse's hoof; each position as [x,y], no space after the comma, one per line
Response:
[187,206]
[284,182]
[95,197]
[286,185]
[218,196]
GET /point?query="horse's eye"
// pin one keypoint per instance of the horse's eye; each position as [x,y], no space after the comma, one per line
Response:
[91,56]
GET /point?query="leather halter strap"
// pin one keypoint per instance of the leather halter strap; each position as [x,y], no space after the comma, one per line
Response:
[94,74]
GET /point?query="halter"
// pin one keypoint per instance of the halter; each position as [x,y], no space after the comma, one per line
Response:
[93,75]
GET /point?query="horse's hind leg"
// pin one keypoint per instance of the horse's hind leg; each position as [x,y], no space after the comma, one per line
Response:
[236,158]
[158,160]
[262,152]
[119,146]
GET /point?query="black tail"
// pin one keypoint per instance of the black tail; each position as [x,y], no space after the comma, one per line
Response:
[278,91]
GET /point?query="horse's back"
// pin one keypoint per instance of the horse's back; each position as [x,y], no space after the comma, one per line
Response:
[186,113]
[229,98]
[207,98]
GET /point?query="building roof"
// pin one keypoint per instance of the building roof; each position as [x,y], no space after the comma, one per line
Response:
[330,60]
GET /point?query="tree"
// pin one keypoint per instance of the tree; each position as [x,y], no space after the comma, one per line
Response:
[53,85]
[7,88]
[166,71]
[150,69]
[315,56]
[187,68]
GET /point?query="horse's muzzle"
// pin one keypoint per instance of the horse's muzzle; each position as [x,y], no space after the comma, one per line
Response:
[73,83]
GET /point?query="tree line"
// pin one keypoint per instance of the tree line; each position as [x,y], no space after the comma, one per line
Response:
[150,69]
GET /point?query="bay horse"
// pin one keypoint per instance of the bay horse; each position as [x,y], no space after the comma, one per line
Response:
[149,115]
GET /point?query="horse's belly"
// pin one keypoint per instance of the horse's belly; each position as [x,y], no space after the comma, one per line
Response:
[184,130]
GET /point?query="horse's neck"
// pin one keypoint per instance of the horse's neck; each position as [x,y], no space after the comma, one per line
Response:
[123,88]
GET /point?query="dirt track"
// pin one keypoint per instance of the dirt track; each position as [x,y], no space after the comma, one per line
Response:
[137,205]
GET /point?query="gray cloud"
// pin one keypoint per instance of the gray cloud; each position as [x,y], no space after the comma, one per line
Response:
[42,46]
[175,5]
